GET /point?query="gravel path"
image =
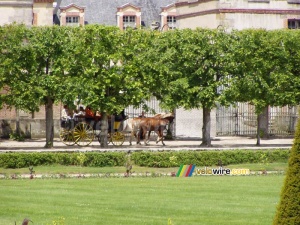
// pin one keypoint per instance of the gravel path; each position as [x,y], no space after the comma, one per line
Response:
[219,143]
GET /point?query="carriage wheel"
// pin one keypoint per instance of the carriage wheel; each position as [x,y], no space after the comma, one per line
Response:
[83,134]
[66,136]
[117,138]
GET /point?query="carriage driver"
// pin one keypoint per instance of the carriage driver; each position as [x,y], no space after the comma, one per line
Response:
[118,118]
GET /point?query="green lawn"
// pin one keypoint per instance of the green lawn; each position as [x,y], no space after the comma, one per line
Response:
[214,200]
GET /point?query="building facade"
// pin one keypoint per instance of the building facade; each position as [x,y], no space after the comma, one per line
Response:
[238,14]
[28,12]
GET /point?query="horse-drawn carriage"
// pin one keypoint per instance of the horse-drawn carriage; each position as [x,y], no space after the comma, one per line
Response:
[84,132]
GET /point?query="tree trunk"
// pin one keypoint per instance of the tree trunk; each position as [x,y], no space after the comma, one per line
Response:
[49,123]
[257,132]
[206,141]
[262,125]
[169,135]
[18,130]
[104,130]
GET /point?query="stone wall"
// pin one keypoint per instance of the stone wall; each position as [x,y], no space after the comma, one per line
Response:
[31,128]
[16,11]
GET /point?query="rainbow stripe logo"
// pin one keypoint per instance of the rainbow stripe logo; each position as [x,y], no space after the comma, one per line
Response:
[185,171]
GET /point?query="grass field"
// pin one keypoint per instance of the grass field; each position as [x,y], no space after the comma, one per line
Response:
[213,200]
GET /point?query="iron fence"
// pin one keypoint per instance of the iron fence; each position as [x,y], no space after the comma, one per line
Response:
[241,120]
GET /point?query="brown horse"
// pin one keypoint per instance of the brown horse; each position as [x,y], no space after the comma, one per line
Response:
[157,123]
[169,116]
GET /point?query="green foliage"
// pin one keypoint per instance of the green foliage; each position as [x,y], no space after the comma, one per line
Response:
[110,69]
[206,158]
[263,72]
[21,160]
[34,69]
[147,159]
[34,65]
[288,210]
[187,66]
[16,137]
[81,158]
[104,59]
[264,158]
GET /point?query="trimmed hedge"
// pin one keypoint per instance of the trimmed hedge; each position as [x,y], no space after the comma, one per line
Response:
[93,159]
[208,158]
[147,159]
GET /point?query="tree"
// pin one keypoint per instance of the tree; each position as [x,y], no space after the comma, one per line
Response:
[188,66]
[34,69]
[105,73]
[287,85]
[11,37]
[261,75]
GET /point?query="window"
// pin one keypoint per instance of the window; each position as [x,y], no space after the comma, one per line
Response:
[128,15]
[72,21]
[168,17]
[129,21]
[294,24]
[72,15]
[171,20]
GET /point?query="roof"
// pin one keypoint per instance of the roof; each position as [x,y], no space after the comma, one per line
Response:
[71,5]
[104,11]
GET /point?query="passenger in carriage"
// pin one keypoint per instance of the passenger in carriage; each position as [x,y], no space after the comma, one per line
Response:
[65,113]
[89,113]
[97,115]
[66,116]
[79,115]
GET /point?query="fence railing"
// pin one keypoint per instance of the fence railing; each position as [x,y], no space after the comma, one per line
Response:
[241,120]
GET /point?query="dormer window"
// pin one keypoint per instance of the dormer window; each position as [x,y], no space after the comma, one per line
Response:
[129,21]
[72,15]
[72,20]
[128,15]
[171,21]
[168,17]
